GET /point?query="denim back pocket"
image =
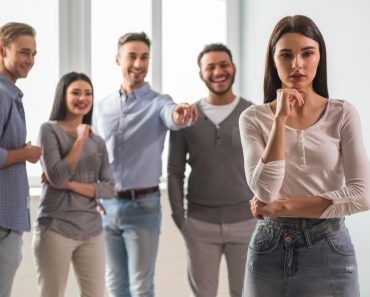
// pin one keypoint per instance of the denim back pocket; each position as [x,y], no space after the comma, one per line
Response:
[265,238]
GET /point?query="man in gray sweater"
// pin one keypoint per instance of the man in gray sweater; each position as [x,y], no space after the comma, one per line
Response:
[218,220]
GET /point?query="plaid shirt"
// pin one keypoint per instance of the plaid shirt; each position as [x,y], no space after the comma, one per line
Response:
[14,195]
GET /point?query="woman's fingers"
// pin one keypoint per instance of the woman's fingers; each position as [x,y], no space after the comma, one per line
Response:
[256,206]
[287,99]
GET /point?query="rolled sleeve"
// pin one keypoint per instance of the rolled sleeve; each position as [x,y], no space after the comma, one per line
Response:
[354,197]
[167,113]
[347,201]
[105,187]
[59,174]
[342,207]
[57,169]
[3,156]
[265,180]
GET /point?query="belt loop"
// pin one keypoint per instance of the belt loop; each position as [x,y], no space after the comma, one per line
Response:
[306,233]
[132,194]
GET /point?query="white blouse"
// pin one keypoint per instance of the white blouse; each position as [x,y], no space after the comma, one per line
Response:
[327,159]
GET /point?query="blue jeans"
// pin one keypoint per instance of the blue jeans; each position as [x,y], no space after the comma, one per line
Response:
[10,258]
[290,257]
[131,233]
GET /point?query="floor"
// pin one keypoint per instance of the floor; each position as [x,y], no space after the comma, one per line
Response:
[170,279]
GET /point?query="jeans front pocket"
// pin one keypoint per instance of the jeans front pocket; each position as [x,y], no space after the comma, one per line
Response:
[265,238]
[340,242]
[149,204]
[4,233]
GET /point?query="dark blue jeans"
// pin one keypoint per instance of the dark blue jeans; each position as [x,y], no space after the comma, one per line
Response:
[292,257]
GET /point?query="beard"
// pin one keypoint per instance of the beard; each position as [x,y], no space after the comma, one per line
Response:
[220,92]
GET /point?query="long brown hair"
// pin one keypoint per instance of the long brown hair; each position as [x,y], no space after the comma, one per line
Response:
[294,24]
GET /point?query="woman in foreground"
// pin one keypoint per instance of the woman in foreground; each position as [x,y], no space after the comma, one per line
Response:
[306,163]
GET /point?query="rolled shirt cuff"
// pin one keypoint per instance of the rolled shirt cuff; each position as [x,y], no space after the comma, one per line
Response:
[3,156]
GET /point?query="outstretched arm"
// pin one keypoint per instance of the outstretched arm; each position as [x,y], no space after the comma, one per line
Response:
[184,113]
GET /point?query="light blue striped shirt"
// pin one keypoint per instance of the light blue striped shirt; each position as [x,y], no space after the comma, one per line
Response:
[134,130]
[14,195]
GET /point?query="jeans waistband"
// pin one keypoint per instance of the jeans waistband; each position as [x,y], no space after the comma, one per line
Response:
[300,223]
[308,230]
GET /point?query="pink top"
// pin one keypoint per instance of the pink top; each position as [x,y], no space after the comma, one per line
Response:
[327,159]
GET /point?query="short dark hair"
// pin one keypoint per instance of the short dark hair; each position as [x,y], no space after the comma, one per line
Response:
[10,31]
[133,36]
[59,109]
[214,47]
[305,26]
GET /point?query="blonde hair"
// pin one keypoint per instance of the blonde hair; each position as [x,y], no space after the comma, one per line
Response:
[12,30]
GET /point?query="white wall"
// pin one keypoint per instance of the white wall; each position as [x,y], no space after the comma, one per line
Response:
[39,87]
[345,26]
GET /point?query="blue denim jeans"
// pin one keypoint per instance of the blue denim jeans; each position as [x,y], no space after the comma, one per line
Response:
[10,258]
[131,233]
[290,257]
